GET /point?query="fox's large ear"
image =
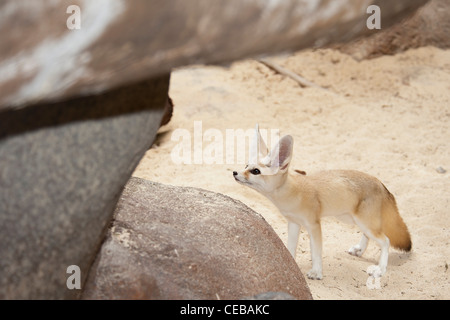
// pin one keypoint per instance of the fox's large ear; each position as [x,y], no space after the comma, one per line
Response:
[281,155]
[263,151]
[258,148]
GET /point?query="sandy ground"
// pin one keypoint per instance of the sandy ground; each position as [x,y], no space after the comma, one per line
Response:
[389,117]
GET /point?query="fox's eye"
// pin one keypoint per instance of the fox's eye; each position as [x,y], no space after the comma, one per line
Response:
[255,171]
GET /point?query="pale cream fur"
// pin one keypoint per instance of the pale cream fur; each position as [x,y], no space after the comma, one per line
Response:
[351,196]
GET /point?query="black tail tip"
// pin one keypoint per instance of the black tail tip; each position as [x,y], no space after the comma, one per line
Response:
[405,248]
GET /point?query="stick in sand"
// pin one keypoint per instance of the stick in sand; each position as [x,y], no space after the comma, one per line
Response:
[299,79]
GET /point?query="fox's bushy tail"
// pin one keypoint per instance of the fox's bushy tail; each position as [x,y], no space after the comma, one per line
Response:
[393,225]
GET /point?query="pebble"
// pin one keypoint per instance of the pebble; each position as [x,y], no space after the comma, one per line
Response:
[441,170]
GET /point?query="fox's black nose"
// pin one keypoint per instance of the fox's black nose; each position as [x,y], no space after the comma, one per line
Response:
[235,173]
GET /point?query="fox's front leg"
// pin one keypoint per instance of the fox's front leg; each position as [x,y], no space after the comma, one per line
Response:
[315,237]
[293,233]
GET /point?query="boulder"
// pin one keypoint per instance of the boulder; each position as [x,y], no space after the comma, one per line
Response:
[47,54]
[62,169]
[429,26]
[171,242]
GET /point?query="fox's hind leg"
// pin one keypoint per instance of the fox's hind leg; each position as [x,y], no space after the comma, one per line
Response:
[380,269]
[358,249]
[382,241]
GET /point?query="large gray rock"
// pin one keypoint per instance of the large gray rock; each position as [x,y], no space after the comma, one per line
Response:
[62,169]
[185,243]
[120,42]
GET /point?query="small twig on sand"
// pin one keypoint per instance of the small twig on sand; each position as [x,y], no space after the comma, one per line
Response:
[299,79]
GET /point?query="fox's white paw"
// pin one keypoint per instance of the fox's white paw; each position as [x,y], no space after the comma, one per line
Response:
[355,251]
[314,274]
[376,271]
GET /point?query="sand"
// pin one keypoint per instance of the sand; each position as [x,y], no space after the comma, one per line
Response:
[389,117]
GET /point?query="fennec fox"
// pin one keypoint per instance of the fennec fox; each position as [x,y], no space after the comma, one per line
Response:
[353,196]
